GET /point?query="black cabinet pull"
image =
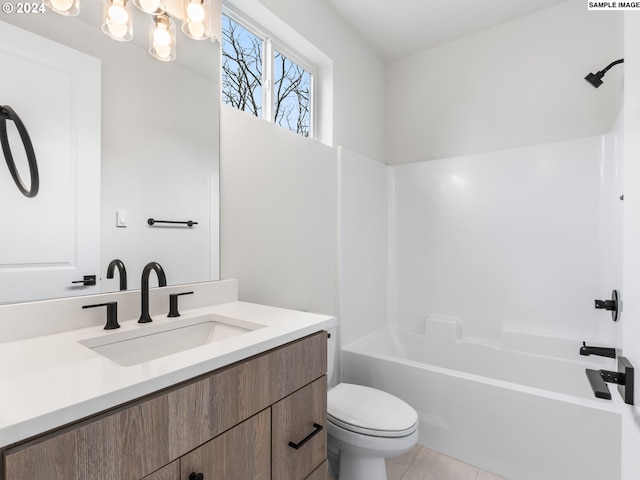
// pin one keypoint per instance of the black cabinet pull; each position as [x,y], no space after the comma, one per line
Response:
[307,438]
[196,476]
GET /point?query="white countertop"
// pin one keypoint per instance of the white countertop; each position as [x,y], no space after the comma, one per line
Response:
[53,380]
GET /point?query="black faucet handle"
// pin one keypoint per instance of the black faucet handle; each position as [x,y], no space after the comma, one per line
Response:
[112,314]
[613,305]
[605,304]
[173,303]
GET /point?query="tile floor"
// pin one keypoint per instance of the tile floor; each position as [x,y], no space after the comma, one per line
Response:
[424,464]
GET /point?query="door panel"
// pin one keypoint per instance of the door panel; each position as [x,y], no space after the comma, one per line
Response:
[52,239]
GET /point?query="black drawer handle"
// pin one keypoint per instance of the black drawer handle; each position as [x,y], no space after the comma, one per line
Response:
[196,476]
[307,438]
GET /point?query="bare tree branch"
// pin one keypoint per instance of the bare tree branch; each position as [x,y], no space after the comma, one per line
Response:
[242,67]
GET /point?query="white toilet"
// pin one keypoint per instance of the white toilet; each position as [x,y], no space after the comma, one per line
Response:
[365,426]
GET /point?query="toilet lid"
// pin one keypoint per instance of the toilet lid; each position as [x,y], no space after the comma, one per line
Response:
[370,411]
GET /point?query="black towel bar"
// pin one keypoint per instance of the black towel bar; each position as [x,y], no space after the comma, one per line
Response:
[188,223]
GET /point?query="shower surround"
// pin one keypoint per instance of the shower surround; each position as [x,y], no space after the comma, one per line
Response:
[506,246]
[527,237]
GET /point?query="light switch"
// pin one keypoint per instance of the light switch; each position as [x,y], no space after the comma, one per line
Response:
[121,218]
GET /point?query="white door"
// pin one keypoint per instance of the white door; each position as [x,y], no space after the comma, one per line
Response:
[49,241]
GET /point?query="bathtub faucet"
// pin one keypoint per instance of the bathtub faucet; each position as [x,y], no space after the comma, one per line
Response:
[600,351]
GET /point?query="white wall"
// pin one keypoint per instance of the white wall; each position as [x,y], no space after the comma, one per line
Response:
[160,139]
[279,212]
[508,237]
[358,74]
[517,84]
[363,245]
[162,162]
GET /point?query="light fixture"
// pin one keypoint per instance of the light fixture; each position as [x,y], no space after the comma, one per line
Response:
[163,39]
[64,7]
[118,20]
[152,7]
[195,19]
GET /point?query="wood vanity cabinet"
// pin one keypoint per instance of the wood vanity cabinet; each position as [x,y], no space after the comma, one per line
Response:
[235,423]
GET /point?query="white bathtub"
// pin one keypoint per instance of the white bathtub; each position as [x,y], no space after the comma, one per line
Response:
[526,414]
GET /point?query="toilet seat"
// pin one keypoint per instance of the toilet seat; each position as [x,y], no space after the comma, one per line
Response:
[370,411]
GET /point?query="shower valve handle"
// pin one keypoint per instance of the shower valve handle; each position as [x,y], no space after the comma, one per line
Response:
[605,304]
[614,305]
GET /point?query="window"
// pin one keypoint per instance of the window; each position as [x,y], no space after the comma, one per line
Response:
[260,79]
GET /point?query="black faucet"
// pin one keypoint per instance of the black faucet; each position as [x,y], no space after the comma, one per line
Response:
[122,272]
[600,351]
[162,282]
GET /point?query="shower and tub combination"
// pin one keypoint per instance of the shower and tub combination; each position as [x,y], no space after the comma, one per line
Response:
[494,261]
[522,409]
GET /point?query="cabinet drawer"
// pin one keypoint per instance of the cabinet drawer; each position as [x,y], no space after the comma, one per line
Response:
[244,452]
[300,419]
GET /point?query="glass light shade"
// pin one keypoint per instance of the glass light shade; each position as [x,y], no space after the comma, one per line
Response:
[152,7]
[195,19]
[118,20]
[70,8]
[163,39]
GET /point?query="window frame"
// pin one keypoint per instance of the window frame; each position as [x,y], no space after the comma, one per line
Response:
[270,45]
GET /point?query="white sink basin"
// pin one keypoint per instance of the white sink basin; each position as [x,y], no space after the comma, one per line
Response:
[148,342]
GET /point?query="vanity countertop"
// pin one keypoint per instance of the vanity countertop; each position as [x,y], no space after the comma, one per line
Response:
[52,380]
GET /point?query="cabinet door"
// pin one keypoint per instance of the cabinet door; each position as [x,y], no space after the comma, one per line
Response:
[244,452]
[320,473]
[300,419]
[169,472]
[202,410]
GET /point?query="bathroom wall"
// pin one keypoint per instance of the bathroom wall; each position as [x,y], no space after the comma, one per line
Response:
[358,74]
[527,237]
[517,84]
[363,245]
[161,158]
[169,150]
[279,213]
